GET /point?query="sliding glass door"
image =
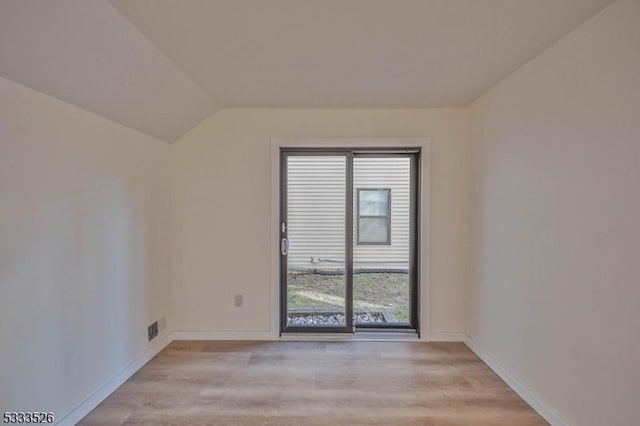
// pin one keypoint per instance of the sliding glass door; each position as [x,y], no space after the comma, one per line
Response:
[314,245]
[348,245]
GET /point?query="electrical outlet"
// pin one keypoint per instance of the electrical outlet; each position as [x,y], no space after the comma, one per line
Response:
[152,330]
[237,300]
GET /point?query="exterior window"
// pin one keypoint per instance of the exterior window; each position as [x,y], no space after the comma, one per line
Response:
[374,216]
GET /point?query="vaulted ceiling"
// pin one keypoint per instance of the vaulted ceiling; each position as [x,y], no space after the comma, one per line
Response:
[162,66]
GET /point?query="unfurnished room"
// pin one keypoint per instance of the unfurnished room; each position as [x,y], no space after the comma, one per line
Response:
[320,212]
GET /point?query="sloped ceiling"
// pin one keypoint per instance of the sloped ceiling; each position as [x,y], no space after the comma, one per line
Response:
[161,66]
[86,53]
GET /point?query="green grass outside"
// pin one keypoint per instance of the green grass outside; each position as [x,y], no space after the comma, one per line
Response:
[371,291]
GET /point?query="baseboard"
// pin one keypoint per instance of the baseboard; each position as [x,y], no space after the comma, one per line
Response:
[530,398]
[85,407]
[222,335]
[269,335]
[449,336]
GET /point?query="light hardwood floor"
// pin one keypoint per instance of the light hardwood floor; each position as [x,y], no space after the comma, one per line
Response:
[314,383]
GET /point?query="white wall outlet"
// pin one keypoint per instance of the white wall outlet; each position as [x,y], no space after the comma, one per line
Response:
[237,300]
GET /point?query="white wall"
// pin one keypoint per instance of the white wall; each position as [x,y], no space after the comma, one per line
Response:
[221,186]
[555,290]
[84,258]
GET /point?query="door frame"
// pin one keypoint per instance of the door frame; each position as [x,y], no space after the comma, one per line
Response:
[420,248]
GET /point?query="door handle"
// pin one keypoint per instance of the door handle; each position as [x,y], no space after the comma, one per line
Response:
[284,246]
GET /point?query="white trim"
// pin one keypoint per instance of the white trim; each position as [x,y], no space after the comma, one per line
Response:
[425,211]
[222,335]
[305,142]
[92,401]
[537,403]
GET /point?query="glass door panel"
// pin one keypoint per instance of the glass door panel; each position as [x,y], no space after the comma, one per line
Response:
[381,241]
[314,244]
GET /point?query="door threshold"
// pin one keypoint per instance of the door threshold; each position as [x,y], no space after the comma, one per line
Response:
[360,336]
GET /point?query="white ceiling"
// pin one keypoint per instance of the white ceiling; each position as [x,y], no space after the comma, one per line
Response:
[86,53]
[181,59]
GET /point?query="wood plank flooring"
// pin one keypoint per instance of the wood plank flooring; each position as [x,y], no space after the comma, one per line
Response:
[314,383]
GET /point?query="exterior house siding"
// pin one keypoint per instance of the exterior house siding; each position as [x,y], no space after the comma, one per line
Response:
[316,212]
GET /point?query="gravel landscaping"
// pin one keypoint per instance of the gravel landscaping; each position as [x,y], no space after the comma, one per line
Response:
[335,319]
[332,318]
